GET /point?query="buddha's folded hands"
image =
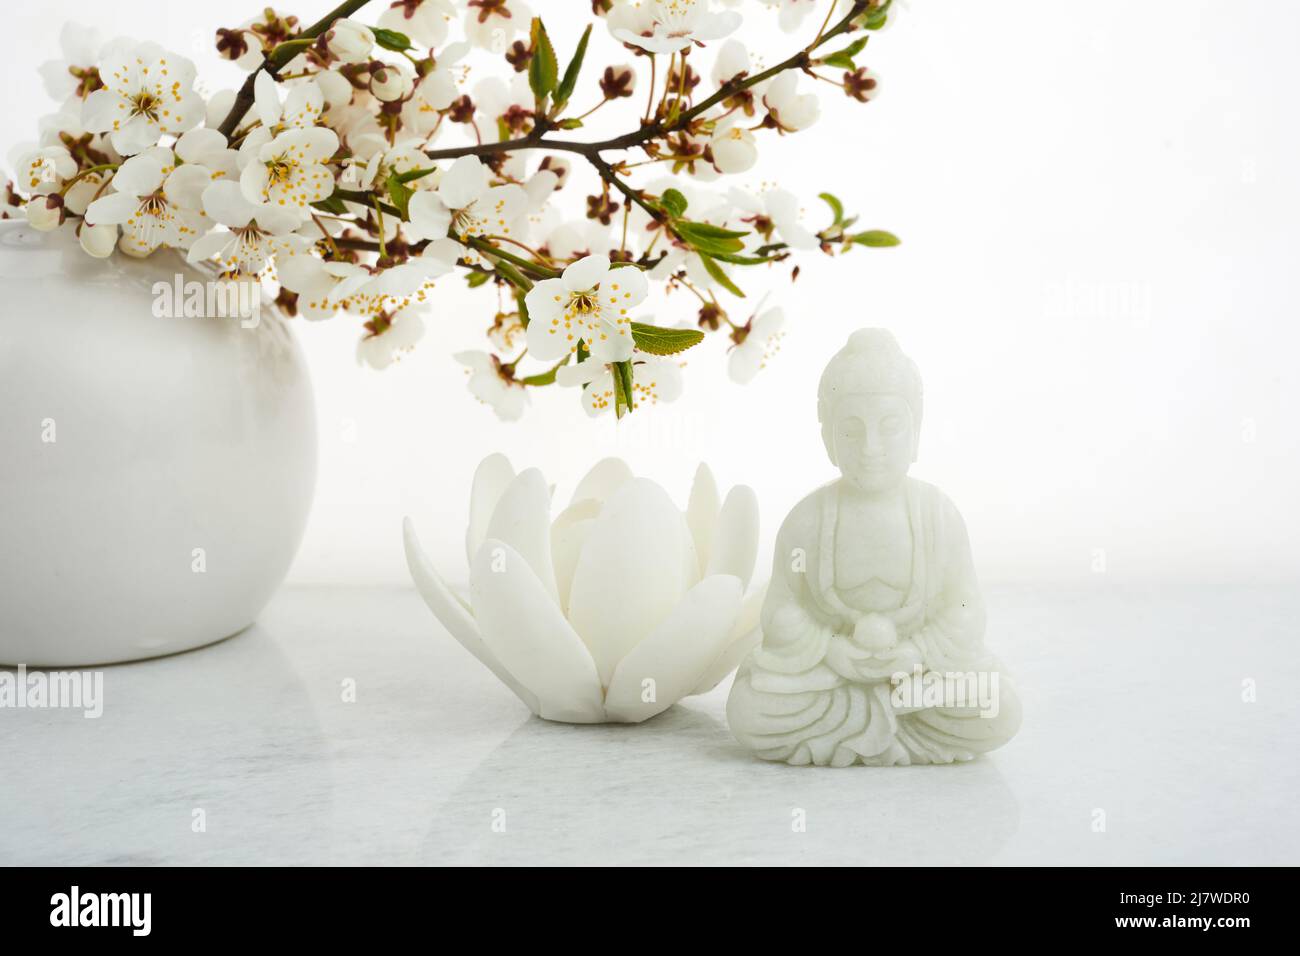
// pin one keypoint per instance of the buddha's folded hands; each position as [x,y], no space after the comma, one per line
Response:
[875,632]
[861,664]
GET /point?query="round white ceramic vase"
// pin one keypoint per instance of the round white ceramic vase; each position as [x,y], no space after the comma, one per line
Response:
[156,471]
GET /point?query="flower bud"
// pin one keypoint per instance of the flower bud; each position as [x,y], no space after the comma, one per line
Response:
[389,84]
[44,212]
[99,241]
[350,41]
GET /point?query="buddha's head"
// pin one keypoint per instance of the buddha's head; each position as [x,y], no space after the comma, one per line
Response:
[869,406]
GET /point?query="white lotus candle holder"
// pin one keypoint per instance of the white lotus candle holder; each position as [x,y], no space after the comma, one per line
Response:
[614,611]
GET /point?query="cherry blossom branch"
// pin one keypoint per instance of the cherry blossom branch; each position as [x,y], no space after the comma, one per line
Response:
[277,59]
[538,140]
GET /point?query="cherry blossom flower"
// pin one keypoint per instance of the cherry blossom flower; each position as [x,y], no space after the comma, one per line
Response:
[43,170]
[575,239]
[74,74]
[88,187]
[492,24]
[372,162]
[732,61]
[155,202]
[466,204]
[424,21]
[792,12]
[669,26]
[733,146]
[433,93]
[654,380]
[507,331]
[147,92]
[248,235]
[209,149]
[388,336]
[489,383]
[761,340]
[334,86]
[591,302]
[290,170]
[781,208]
[503,104]
[302,106]
[314,282]
[788,109]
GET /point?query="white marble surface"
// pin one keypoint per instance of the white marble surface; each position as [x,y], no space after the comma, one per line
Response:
[1132,705]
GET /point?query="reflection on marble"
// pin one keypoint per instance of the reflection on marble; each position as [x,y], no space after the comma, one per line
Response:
[644,796]
[341,731]
[228,731]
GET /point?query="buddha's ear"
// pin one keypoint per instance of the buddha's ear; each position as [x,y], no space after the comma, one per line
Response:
[824,419]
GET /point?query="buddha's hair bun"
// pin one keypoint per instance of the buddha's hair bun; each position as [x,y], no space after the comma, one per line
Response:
[871,363]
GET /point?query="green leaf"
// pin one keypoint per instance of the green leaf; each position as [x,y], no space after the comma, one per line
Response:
[332,205]
[674,202]
[710,230]
[622,388]
[570,80]
[656,340]
[856,47]
[569,124]
[391,39]
[411,175]
[476,279]
[400,194]
[720,277]
[875,18]
[844,58]
[542,68]
[875,237]
[547,377]
[708,238]
[837,207]
[742,260]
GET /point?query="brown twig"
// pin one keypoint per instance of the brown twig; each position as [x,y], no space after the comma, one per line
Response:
[278,57]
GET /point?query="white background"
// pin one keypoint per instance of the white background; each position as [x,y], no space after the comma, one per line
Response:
[1098,281]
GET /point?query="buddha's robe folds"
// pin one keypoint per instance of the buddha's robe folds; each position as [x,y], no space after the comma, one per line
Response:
[808,694]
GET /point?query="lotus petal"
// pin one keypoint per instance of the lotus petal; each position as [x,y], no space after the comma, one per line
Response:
[491,478]
[524,629]
[735,544]
[676,652]
[522,519]
[745,636]
[702,513]
[447,608]
[630,574]
[568,534]
[605,478]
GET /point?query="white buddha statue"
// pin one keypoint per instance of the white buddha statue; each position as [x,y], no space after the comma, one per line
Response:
[873,627]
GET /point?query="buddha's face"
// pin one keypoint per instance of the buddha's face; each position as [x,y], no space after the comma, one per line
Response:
[873,440]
